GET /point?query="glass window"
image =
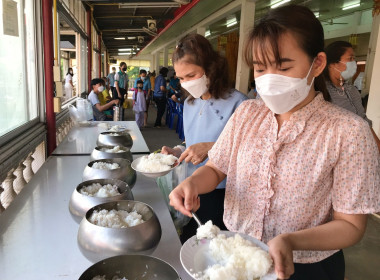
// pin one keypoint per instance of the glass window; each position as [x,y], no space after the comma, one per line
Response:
[18,69]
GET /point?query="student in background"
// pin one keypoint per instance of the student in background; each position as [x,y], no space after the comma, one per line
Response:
[111,80]
[148,91]
[139,103]
[97,88]
[121,85]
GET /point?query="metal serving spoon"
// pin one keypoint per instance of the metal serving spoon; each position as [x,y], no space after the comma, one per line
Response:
[196,218]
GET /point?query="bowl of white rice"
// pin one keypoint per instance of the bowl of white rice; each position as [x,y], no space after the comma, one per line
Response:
[93,192]
[213,254]
[102,152]
[118,228]
[116,168]
[155,165]
[110,138]
[130,267]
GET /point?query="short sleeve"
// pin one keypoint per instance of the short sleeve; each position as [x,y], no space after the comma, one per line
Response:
[222,152]
[356,182]
[93,99]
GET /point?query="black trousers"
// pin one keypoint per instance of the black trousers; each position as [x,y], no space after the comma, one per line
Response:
[212,208]
[332,268]
[161,106]
[123,91]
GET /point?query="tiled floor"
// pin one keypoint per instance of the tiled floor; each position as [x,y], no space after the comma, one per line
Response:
[362,260]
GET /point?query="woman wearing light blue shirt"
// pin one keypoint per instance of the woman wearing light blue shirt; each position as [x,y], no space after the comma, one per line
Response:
[203,74]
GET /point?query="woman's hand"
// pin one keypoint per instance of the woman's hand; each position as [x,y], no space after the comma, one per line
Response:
[171,151]
[196,153]
[184,198]
[281,251]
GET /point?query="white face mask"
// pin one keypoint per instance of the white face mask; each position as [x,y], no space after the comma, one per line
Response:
[142,78]
[196,87]
[100,89]
[350,70]
[281,93]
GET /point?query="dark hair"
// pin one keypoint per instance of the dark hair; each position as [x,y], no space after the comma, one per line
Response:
[164,71]
[142,71]
[334,52]
[68,71]
[199,51]
[122,64]
[139,82]
[96,81]
[297,20]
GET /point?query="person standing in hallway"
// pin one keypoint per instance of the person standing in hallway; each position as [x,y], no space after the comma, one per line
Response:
[121,86]
[147,90]
[302,173]
[341,67]
[111,80]
[69,83]
[139,103]
[159,95]
[210,102]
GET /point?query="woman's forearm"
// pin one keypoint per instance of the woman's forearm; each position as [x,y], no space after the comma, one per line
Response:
[206,178]
[342,232]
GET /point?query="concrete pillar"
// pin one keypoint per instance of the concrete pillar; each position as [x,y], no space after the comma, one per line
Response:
[372,75]
[246,24]
[166,56]
[157,62]
[201,30]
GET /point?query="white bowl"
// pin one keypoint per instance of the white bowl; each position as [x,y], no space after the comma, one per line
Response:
[151,174]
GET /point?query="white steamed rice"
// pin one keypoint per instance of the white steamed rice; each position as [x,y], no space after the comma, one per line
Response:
[116,149]
[114,134]
[97,190]
[115,218]
[156,163]
[105,165]
[116,128]
[235,257]
[208,230]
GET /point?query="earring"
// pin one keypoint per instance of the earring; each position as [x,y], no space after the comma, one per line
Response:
[341,82]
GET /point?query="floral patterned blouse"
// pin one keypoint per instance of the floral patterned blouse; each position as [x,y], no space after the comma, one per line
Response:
[324,158]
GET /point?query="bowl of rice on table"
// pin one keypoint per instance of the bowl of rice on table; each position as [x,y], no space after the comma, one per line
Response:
[93,192]
[155,165]
[116,168]
[131,267]
[118,228]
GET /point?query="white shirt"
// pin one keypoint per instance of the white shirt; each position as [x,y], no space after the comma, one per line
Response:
[93,97]
[67,80]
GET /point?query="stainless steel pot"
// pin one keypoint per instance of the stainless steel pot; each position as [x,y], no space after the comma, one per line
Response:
[124,173]
[132,267]
[97,242]
[123,138]
[79,203]
[97,153]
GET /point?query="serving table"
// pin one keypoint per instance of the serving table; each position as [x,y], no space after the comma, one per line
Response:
[38,236]
[82,140]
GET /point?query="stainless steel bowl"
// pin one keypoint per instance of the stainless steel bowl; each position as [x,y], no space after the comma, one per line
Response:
[132,267]
[97,242]
[124,173]
[79,203]
[123,138]
[97,153]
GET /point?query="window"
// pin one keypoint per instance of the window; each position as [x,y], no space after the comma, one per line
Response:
[18,64]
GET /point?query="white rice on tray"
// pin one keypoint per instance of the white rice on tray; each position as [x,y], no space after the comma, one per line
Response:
[235,257]
[156,162]
[105,165]
[114,134]
[116,149]
[116,128]
[97,190]
[115,218]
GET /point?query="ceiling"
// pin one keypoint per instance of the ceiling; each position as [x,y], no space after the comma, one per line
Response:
[129,20]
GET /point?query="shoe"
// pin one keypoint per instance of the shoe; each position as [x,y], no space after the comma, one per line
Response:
[157,126]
